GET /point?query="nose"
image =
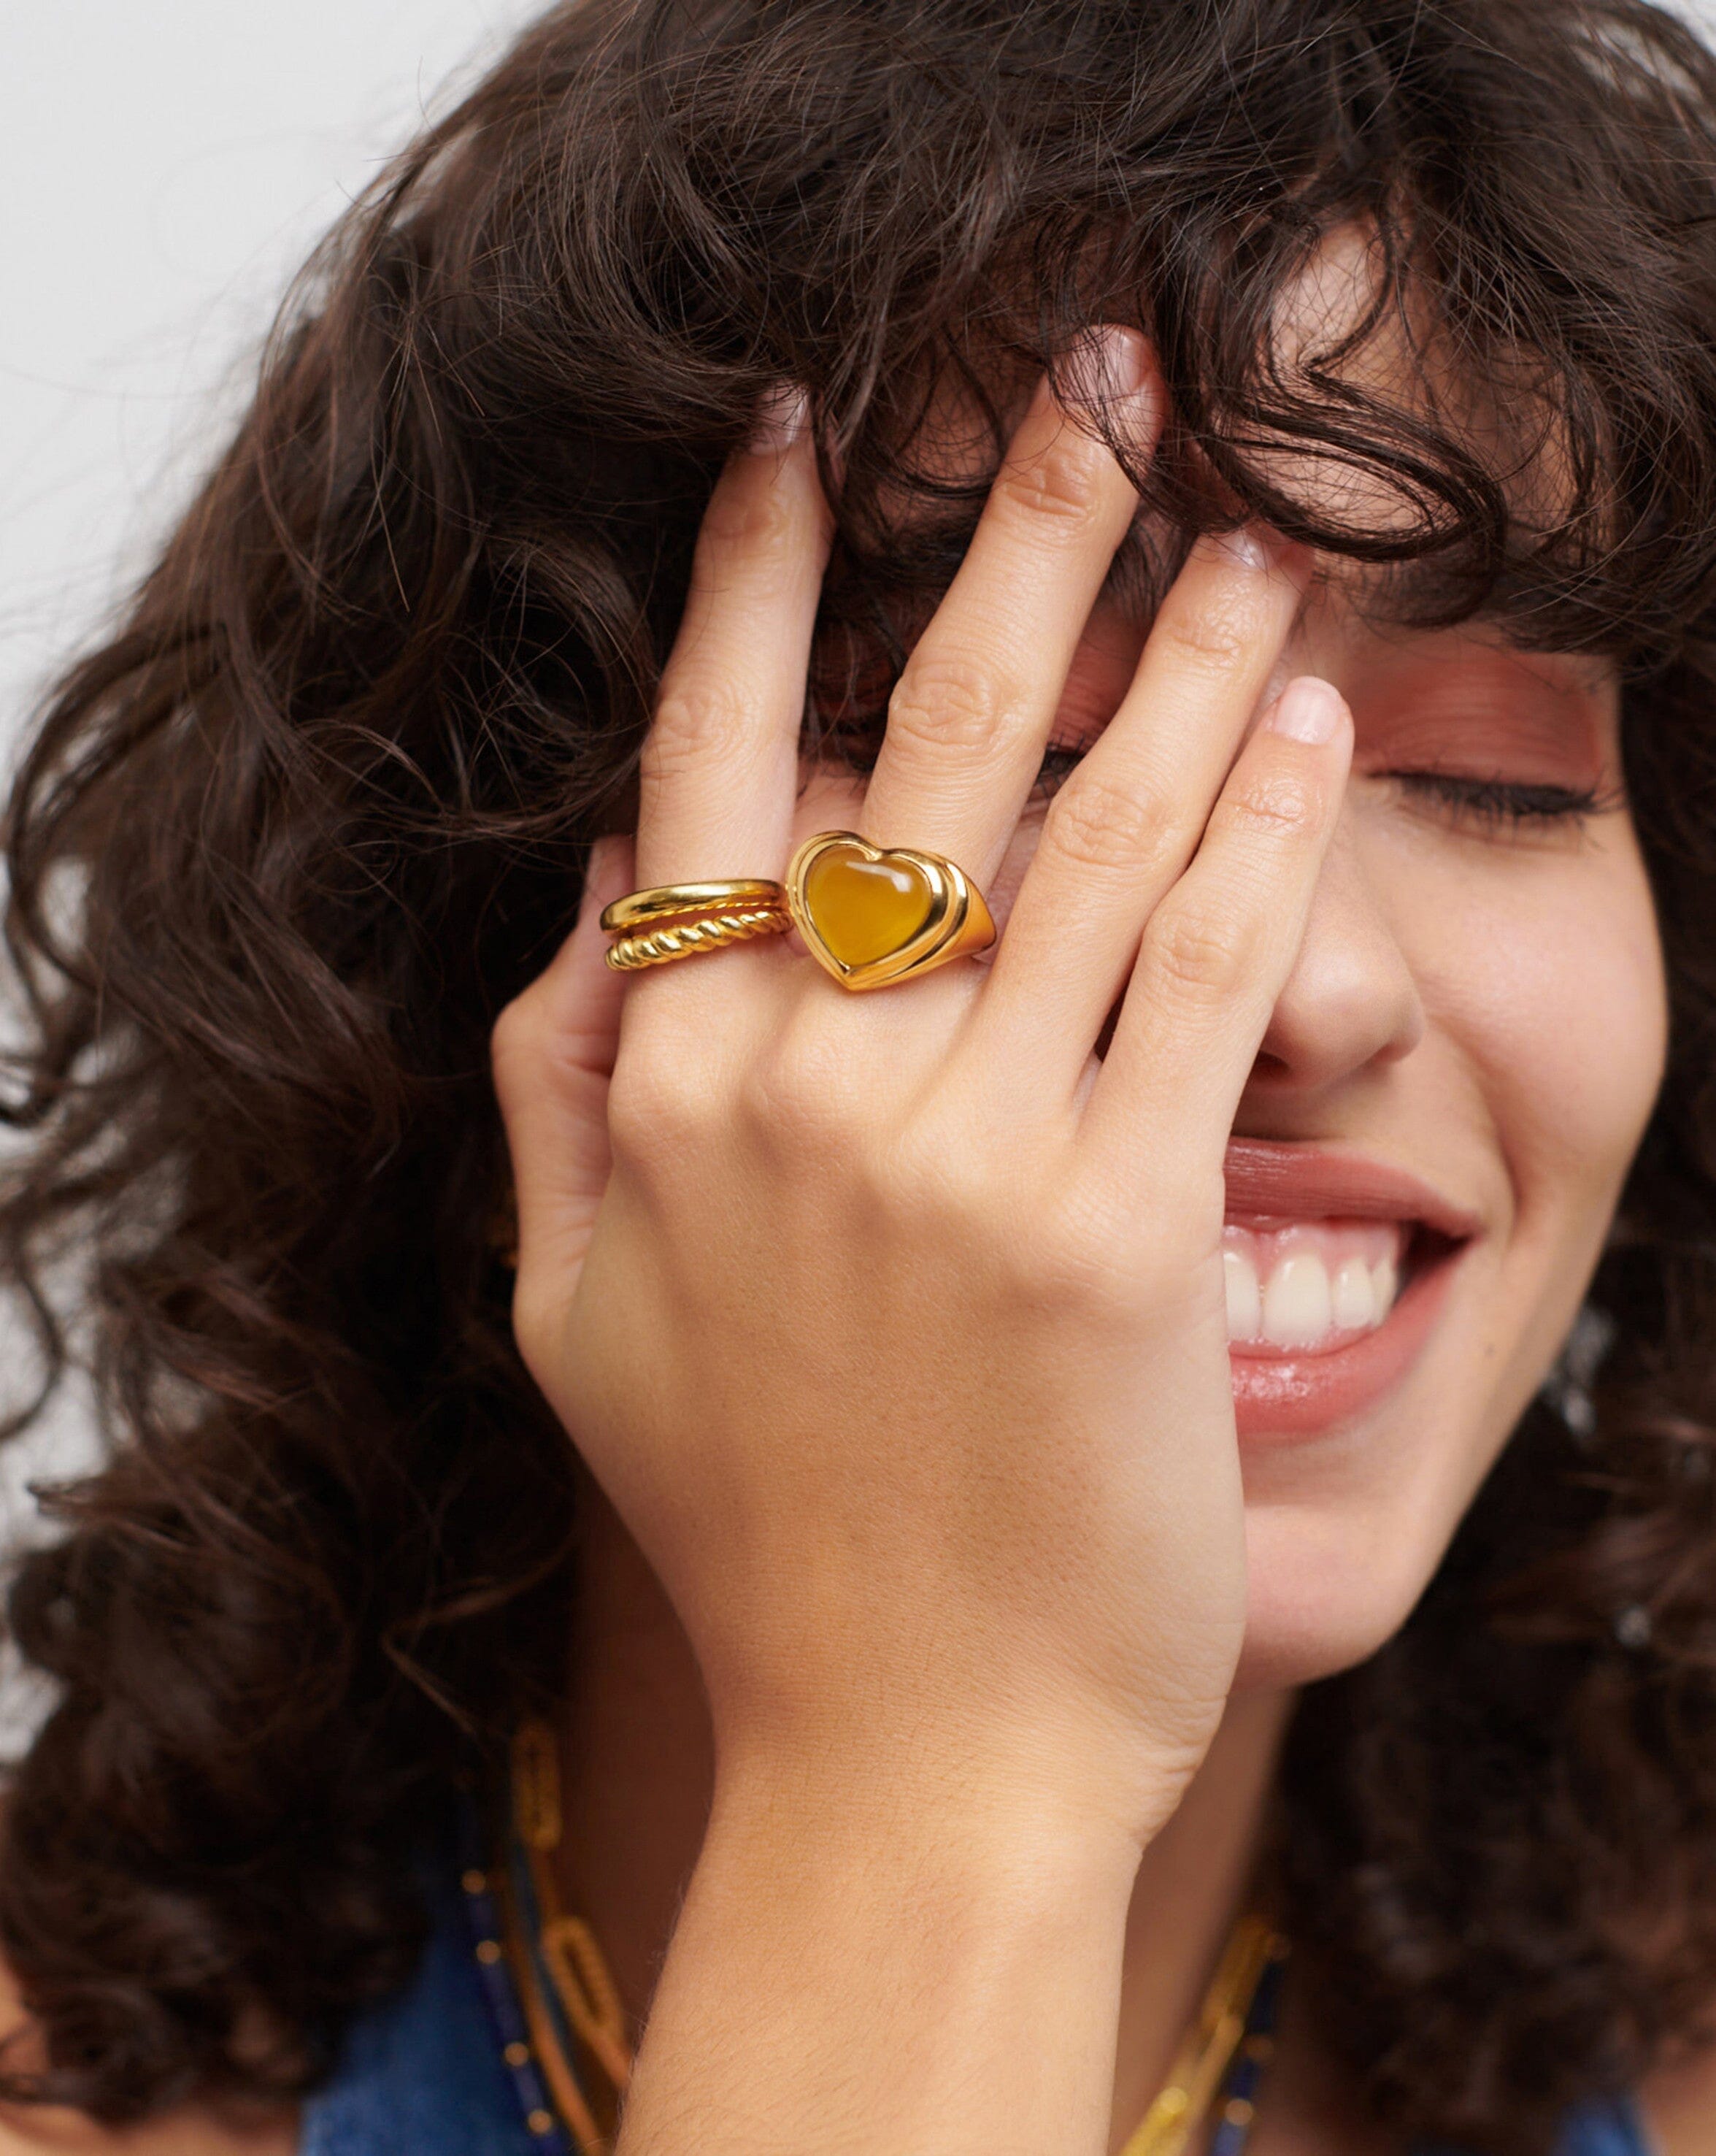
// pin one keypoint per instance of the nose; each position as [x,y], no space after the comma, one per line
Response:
[1351,1003]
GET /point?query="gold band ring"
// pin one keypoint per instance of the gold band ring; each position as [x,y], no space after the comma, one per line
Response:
[684,939]
[671,901]
[874,915]
[868,915]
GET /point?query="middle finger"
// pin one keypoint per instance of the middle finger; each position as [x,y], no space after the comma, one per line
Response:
[967,723]
[1126,823]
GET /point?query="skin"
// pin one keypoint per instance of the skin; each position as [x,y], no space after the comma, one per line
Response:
[1421,1013]
[937,1636]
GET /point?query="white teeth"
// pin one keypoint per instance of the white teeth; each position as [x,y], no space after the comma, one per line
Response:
[1296,1285]
[1245,1301]
[1297,1311]
[1354,1296]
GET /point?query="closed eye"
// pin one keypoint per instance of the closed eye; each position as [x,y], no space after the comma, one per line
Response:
[1060,759]
[1495,804]
[1503,804]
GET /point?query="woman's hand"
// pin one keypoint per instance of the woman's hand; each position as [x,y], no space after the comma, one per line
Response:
[898,1340]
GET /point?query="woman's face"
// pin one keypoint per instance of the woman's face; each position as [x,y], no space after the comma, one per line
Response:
[1478,1005]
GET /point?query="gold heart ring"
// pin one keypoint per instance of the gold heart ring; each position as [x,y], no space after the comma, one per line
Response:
[874,915]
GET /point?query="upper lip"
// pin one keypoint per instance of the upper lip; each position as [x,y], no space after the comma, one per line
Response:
[1280,1182]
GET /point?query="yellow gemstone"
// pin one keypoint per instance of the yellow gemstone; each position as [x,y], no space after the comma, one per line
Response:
[540,2122]
[864,909]
[488,1952]
[517,2055]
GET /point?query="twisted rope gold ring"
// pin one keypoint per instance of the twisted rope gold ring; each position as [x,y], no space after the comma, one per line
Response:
[660,946]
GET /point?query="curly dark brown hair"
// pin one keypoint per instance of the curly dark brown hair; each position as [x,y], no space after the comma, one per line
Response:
[284,844]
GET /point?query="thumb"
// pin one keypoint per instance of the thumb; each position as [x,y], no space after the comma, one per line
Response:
[552,1054]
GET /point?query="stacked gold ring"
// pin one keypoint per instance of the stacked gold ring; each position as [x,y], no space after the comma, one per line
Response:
[868,915]
[670,901]
[673,921]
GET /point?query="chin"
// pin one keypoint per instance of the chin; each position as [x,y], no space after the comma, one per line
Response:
[1328,1586]
[1346,1528]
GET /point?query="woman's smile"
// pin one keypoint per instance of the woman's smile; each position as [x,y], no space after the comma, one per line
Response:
[1335,1267]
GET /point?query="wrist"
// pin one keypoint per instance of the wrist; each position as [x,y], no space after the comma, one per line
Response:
[985,1845]
[1084,1803]
[887,1935]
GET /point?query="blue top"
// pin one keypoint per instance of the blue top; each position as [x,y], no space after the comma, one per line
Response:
[424,2076]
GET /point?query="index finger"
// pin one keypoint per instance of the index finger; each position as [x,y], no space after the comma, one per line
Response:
[720,765]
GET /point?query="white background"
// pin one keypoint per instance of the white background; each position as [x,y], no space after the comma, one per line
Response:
[165,164]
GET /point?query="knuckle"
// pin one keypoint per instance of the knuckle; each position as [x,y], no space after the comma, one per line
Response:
[1207,639]
[1055,489]
[1077,1255]
[514,1040]
[947,701]
[1270,805]
[1193,954]
[929,1179]
[656,1110]
[747,521]
[694,720]
[1094,823]
[793,1098]
[939,1208]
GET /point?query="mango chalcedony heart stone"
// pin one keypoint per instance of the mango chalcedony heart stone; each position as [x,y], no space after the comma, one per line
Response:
[866,909]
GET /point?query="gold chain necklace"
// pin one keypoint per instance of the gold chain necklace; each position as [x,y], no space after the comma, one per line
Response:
[1200,2064]
[588,2080]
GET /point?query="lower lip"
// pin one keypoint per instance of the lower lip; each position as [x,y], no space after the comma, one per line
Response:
[1288,1396]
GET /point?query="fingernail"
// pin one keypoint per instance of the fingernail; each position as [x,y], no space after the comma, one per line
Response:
[780,420]
[1253,547]
[1106,367]
[1307,710]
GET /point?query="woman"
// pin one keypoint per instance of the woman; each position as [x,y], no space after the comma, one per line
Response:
[1161,1456]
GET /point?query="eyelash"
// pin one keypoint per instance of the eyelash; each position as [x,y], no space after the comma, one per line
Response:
[1059,761]
[1501,804]
[1485,804]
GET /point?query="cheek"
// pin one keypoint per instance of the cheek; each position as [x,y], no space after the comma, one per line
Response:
[1541,988]
[1547,973]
